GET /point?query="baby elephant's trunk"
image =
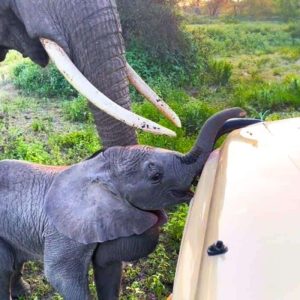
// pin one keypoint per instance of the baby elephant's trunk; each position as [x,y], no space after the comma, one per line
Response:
[207,136]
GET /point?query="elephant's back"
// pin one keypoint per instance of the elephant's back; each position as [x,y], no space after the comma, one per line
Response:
[21,181]
[22,191]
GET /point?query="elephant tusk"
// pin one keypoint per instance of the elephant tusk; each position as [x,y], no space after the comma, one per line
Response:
[83,86]
[150,95]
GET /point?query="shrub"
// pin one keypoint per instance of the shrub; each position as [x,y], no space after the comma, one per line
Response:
[288,9]
[193,115]
[264,96]
[38,125]
[220,72]
[155,25]
[47,82]
[174,227]
[33,151]
[294,30]
[74,146]
[245,38]
[77,110]
[165,48]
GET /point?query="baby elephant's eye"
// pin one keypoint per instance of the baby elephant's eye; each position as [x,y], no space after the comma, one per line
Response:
[151,166]
[154,172]
[156,177]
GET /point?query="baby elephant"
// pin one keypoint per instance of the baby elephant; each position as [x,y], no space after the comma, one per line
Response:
[106,209]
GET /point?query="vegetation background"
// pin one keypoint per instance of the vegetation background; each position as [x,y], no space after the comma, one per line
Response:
[200,56]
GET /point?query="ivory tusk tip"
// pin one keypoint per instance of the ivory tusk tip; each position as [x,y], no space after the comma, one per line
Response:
[170,133]
[177,122]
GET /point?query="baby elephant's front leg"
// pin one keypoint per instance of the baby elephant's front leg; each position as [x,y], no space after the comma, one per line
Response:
[66,265]
[107,280]
[108,257]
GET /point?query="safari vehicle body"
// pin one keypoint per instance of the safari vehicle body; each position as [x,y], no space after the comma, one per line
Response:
[248,197]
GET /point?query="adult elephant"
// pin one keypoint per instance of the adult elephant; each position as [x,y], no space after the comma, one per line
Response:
[83,38]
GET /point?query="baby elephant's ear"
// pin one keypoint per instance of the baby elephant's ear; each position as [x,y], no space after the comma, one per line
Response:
[82,206]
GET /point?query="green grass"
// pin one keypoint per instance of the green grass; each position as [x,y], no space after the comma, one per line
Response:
[220,72]
[77,110]
[249,37]
[48,82]
[269,96]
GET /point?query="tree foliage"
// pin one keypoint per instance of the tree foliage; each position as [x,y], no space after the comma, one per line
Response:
[258,8]
[214,7]
[153,27]
[287,9]
[153,24]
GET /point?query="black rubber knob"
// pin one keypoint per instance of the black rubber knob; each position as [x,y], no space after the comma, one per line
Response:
[217,249]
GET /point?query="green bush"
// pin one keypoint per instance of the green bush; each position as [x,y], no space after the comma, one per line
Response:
[77,110]
[274,97]
[155,26]
[174,227]
[176,71]
[294,30]
[47,82]
[33,151]
[220,72]
[166,49]
[193,113]
[38,125]
[244,38]
[74,146]
[288,9]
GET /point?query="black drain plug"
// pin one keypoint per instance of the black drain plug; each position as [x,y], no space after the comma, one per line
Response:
[217,249]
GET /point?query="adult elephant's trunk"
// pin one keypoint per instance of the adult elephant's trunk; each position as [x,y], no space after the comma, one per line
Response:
[98,51]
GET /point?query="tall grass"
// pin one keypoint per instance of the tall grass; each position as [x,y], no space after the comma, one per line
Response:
[248,38]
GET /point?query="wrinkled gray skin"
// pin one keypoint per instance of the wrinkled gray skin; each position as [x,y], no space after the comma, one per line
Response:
[111,203]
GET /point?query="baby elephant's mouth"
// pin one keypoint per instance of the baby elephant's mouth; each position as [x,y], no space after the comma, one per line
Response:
[161,215]
[183,196]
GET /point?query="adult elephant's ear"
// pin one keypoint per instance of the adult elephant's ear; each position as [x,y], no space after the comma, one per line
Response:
[83,205]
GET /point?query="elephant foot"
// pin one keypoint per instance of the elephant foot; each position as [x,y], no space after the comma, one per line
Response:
[20,289]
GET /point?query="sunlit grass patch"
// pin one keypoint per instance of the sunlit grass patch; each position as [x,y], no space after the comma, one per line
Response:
[243,38]
[6,67]
[39,125]
[282,115]
[291,53]
[269,96]
[265,68]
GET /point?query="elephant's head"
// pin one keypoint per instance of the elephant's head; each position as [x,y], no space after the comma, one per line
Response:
[122,191]
[84,40]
